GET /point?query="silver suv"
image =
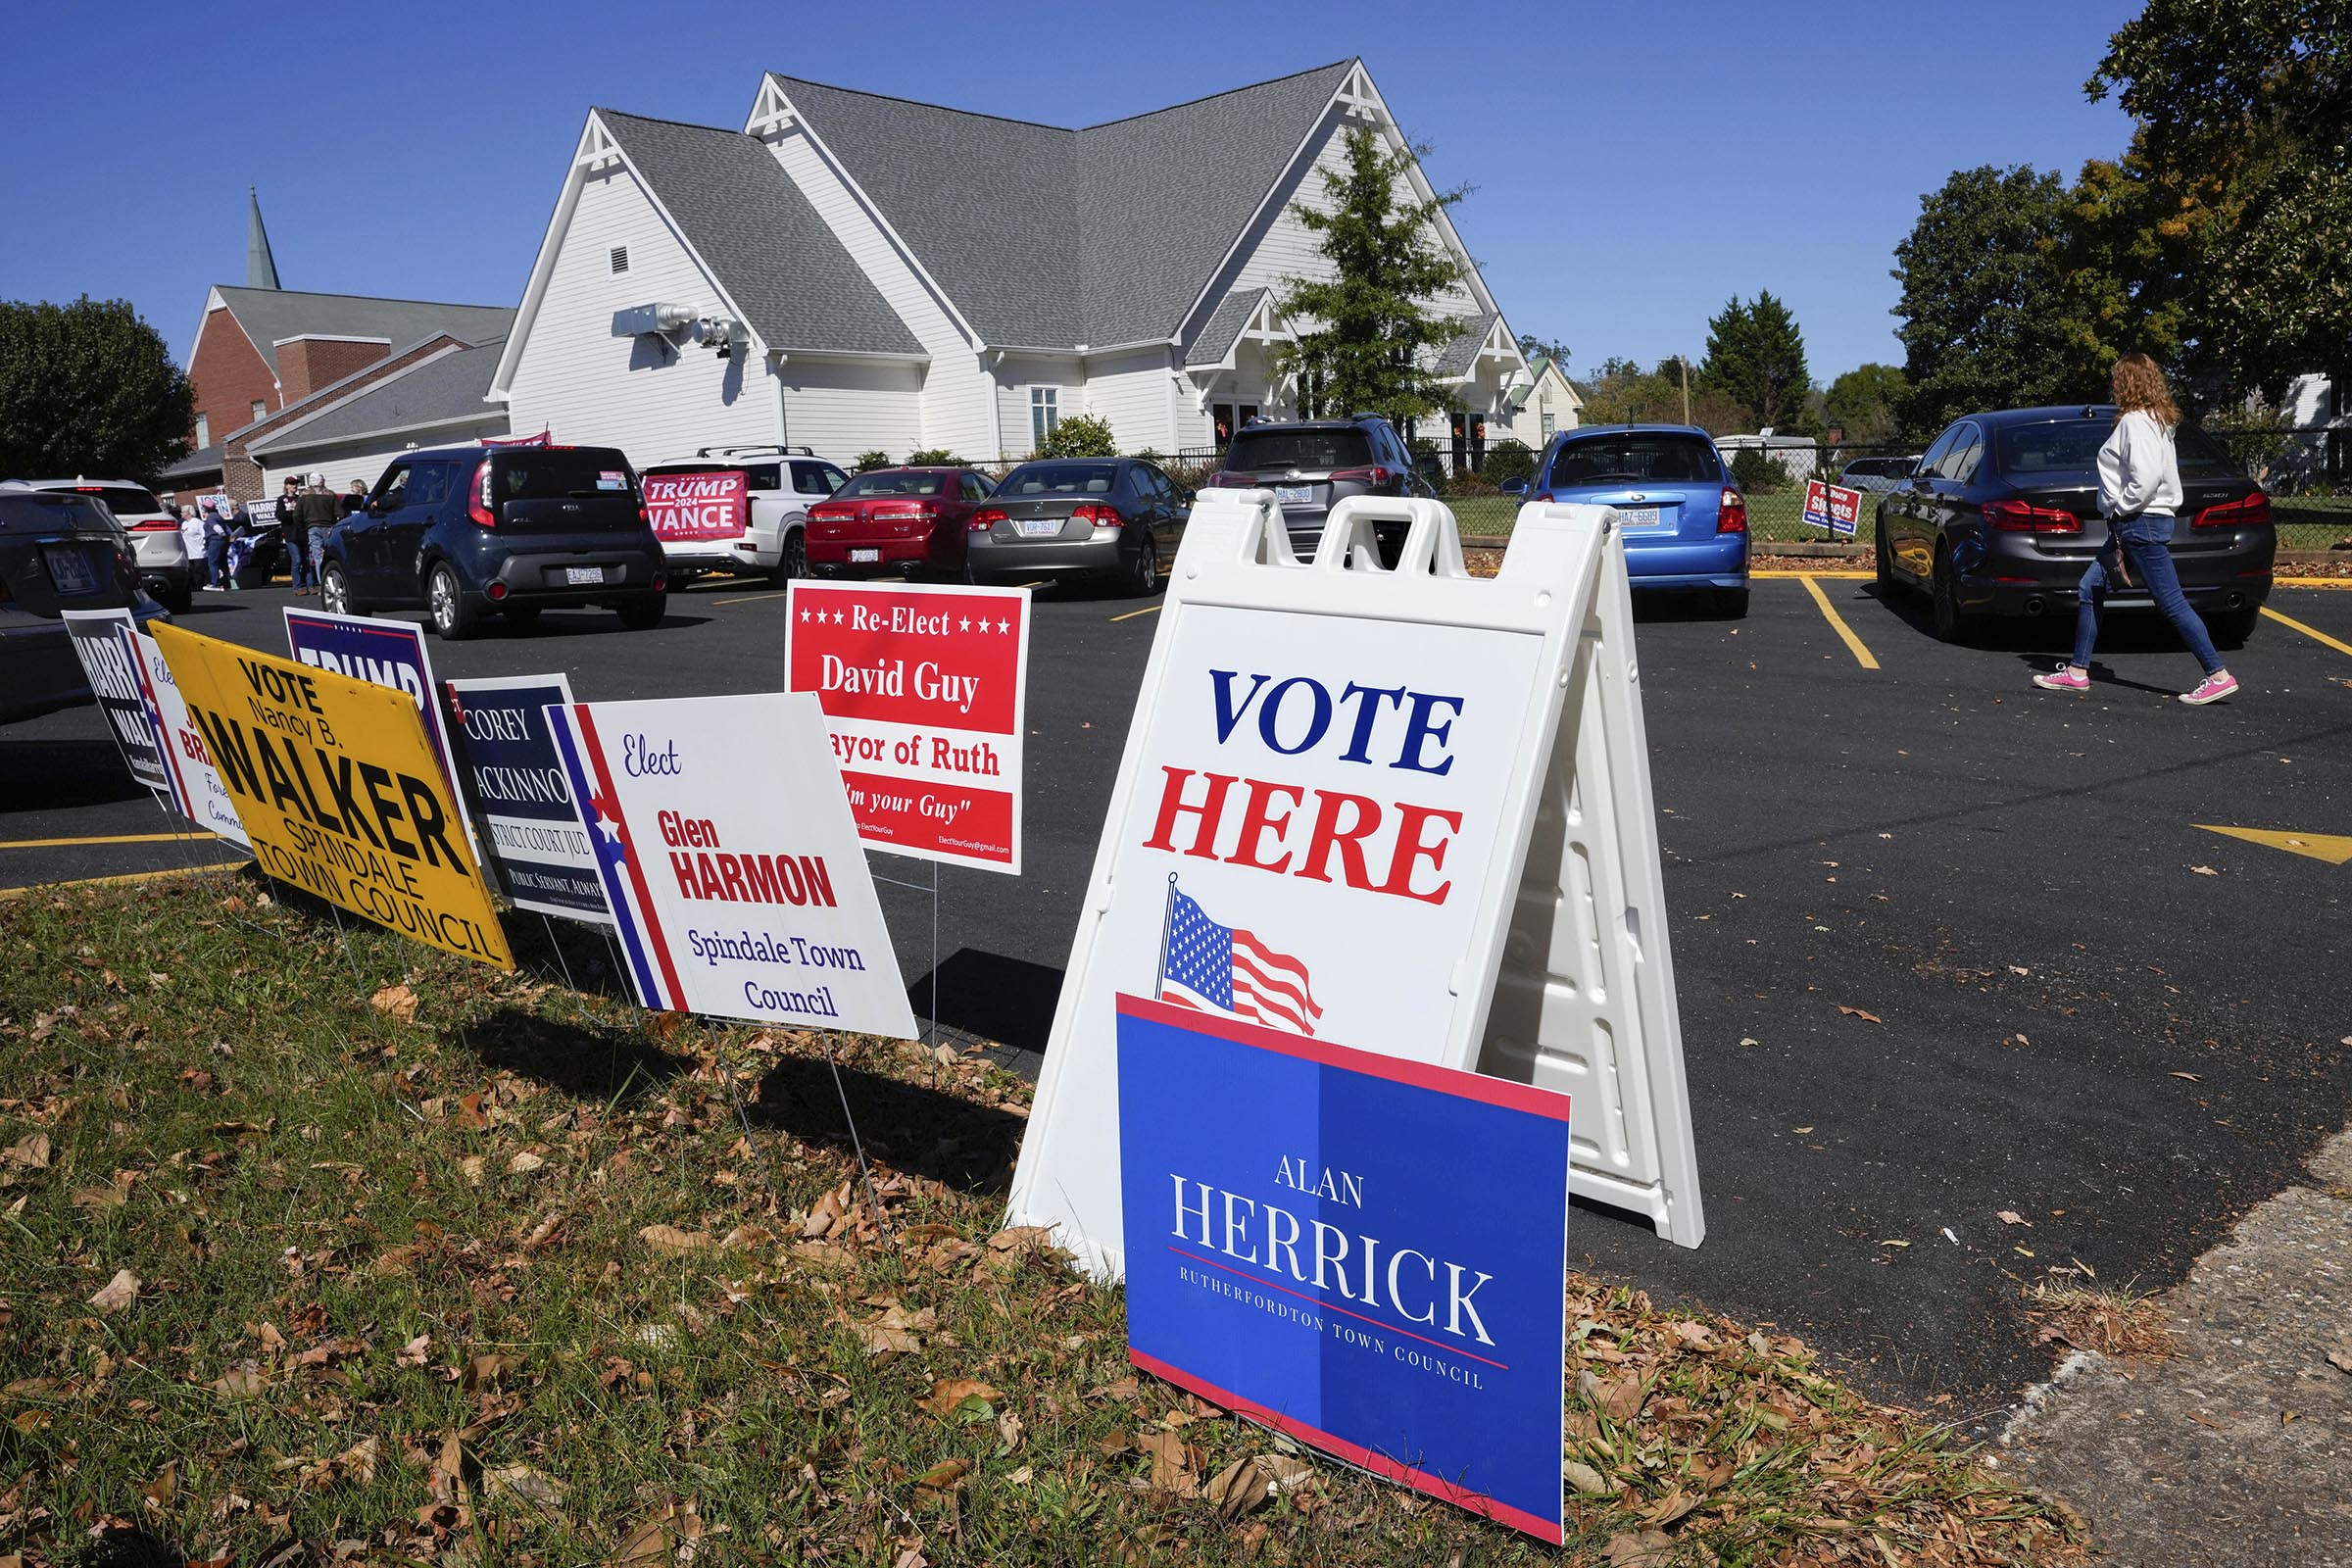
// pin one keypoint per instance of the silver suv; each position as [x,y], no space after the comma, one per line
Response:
[155,537]
[1313,464]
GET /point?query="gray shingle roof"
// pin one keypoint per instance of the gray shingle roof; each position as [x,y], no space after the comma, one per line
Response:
[775,257]
[1047,237]
[1224,325]
[204,460]
[272,315]
[449,387]
[1457,356]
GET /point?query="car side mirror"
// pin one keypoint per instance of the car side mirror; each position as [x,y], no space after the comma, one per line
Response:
[1514,487]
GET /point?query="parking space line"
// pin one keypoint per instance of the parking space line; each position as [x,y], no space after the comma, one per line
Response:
[1838,623]
[108,838]
[1147,609]
[1841,575]
[752,598]
[2312,632]
[133,876]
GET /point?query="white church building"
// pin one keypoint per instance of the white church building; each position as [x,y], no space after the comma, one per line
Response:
[852,272]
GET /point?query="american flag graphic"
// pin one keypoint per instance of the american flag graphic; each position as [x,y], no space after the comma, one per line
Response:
[1219,970]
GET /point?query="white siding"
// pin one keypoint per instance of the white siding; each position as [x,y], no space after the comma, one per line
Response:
[1131,391]
[954,400]
[1281,247]
[843,409]
[590,388]
[1014,378]
[346,460]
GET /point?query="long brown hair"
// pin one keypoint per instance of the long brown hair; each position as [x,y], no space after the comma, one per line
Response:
[2140,385]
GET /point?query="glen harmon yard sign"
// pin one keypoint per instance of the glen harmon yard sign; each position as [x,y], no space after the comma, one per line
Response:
[925,693]
[1410,812]
[730,863]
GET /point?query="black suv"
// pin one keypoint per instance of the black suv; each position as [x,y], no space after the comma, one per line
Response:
[463,531]
[1312,465]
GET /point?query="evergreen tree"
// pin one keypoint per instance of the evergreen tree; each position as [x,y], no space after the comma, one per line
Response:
[89,388]
[1365,334]
[1756,357]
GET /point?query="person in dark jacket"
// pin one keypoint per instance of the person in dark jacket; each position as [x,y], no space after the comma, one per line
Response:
[316,511]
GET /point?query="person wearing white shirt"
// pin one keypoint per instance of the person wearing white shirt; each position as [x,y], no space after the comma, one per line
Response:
[2139,495]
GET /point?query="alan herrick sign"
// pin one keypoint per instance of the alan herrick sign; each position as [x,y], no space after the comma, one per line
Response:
[1290,1256]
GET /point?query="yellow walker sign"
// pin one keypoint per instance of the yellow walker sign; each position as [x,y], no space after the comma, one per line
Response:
[339,790]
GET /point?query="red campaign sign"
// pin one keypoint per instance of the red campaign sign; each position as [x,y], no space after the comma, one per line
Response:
[924,691]
[696,506]
[1829,506]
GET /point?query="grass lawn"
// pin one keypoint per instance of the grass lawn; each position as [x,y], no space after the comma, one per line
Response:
[347,1243]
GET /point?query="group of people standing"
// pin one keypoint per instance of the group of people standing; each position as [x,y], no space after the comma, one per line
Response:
[224,530]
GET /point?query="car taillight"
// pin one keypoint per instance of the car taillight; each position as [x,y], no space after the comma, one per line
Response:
[155,526]
[1101,515]
[2252,512]
[1731,512]
[1224,480]
[985,519]
[477,499]
[2022,517]
[1378,473]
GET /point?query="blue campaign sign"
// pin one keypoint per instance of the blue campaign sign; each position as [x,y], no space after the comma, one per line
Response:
[382,653]
[525,813]
[1365,1253]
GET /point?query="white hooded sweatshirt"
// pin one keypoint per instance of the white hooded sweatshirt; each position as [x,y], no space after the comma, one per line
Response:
[2139,468]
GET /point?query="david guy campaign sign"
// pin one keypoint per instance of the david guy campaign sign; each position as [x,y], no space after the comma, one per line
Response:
[1292,1255]
[727,854]
[339,791]
[696,506]
[528,821]
[196,786]
[106,661]
[383,653]
[925,691]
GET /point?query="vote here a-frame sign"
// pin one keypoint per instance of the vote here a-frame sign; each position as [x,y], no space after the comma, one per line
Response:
[1405,810]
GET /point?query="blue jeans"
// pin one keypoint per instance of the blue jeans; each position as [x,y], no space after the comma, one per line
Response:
[317,553]
[215,561]
[298,558]
[2148,539]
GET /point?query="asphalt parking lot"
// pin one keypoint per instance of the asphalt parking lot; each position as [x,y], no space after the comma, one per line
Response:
[1949,948]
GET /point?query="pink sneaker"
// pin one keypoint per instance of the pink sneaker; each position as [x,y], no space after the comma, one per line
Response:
[2066,678]
[2212,689]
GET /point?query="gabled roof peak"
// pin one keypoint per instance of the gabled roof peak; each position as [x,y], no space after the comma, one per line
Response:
[1039,124]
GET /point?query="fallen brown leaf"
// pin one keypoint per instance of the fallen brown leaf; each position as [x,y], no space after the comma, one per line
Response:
[945,1475]
[948,1395]
[2010,1217]
[2342,1360]
[2204,870]
[30,1151]
[1584,1478]
[670,1239]
[117,1293]
[397,1001]
[1651,1548]
[1857,1012]
[1173,1464]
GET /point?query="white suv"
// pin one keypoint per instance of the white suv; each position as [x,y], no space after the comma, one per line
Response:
[737,509]
[155,536]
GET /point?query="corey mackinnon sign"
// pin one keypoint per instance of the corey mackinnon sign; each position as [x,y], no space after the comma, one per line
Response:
[736,881]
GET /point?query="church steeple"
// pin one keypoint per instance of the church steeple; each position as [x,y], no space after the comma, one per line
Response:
[261,267]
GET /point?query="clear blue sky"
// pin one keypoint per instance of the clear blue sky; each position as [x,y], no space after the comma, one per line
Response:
[1636,164]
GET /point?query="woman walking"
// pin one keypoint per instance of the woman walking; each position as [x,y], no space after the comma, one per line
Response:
[2140,492]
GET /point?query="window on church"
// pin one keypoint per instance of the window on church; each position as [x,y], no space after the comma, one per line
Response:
[1045,414]
[203,432]
[260,407]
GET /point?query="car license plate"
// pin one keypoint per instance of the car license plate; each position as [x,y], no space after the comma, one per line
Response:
[581,574]
[860,557]
[69,571]
[1040,527]
[1295,495]
[1639,516]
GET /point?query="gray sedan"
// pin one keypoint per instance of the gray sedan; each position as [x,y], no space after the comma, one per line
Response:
[1114,518]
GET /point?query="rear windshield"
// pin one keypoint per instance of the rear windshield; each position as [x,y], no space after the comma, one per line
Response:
[885,482]
[40,511]
[549,474]
[2072,446]
[1270,450]
[1662,458]
[1058,479]
[122,499]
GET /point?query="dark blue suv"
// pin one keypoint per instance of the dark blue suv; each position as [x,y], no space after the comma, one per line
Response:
[463,532]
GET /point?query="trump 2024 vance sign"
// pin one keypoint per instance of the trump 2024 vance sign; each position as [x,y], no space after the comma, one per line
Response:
[925,693]
[735,878]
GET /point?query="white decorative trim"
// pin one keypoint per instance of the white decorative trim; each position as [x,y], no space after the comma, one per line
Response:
[326,337]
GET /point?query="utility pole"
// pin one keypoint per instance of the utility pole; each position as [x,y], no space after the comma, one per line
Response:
[1684,360]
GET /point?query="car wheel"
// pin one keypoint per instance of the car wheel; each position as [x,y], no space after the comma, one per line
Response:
[523,615]
[334,590]
[2232,628]
[792,558]
[177,600]
[1886,564]
[452,619]
[1943,594]
[1143,578]
[645,611]
[1731,604]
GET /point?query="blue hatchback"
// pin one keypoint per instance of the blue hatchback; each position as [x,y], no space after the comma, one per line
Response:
[1685,522]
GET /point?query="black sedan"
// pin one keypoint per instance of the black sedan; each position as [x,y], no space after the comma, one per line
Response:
[1114,518]
[2001,518]
[58,550]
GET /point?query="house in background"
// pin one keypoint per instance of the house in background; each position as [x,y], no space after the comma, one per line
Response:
[263,349]
[852,272]
[1544,405]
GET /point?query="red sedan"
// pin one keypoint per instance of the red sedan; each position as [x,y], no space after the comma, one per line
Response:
[910,521]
